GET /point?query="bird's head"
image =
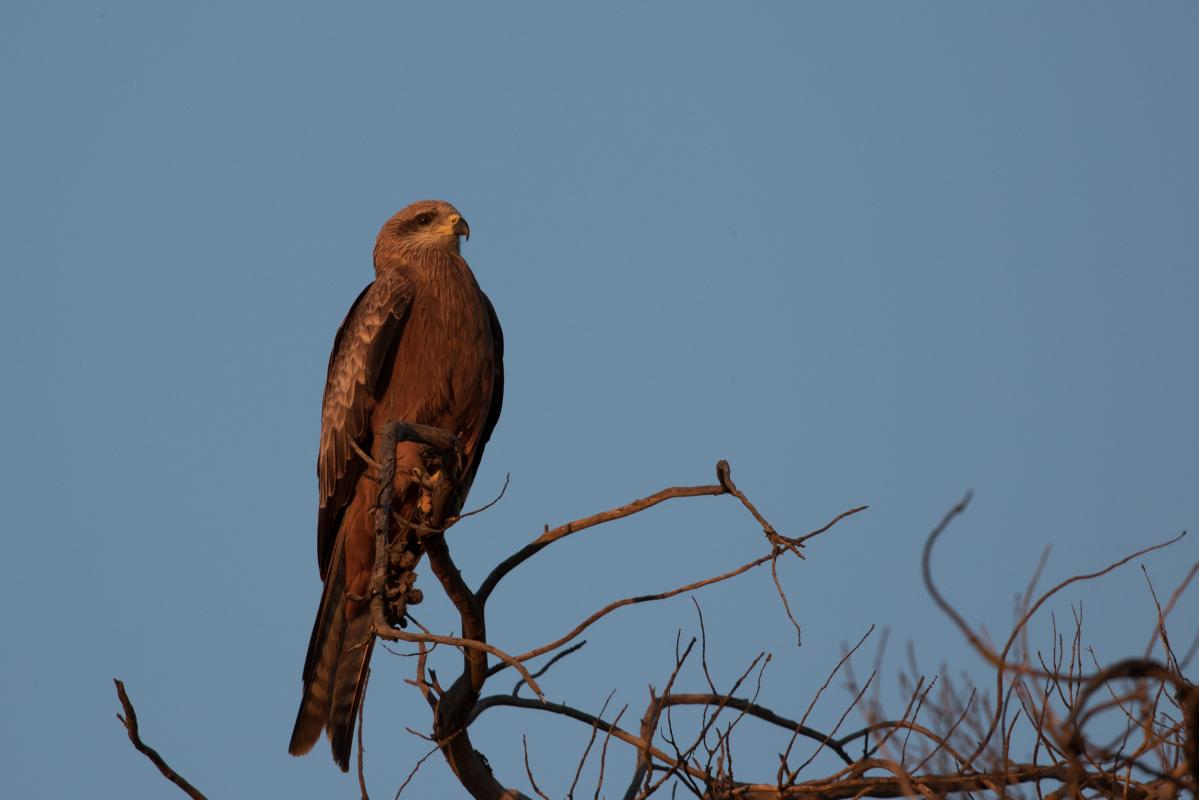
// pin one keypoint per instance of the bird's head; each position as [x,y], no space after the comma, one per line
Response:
[425,227]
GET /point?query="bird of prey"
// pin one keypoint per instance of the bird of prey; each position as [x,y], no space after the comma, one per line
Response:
[421,344]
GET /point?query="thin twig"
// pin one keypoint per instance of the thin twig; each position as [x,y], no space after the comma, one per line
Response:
[599,783]
[129,720]
[703,646]
[529,770]
[485,506]
[386,632]
[649,724]
[415,769]
[364,455]
[803,720]
[795,773]
[557,657]
[570,793]
[628,601]
[778,587]
[1182,587]
[1171,659]
[831,523]
[361,744]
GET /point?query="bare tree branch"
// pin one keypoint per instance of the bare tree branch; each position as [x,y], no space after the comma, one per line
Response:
[628,601]
[999,660]
[764,714]
[1130,729]
[550,536]
[129,720]
[387,632]
[492,701]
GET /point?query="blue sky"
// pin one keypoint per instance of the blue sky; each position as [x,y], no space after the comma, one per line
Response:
[873,254]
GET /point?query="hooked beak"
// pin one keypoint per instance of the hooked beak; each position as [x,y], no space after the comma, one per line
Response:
[460,227]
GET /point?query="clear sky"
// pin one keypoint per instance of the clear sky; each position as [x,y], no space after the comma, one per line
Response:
[870,253]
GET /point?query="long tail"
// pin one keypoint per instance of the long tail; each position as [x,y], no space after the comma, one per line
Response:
[334,671]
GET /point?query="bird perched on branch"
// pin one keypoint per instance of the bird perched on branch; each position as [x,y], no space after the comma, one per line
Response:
[421,344]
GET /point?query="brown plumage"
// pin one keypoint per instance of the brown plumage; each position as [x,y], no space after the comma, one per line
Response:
[420,344]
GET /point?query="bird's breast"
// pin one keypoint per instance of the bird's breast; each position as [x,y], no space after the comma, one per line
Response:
[444,369]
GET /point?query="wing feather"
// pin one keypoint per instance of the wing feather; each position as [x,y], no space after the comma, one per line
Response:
[497,398]
[358,366]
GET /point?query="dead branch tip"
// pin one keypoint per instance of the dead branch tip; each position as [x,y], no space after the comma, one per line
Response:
[129,721]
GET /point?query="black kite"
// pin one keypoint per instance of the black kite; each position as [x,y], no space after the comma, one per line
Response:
[421,344]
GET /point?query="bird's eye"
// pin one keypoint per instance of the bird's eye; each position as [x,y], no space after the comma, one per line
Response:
[424,219]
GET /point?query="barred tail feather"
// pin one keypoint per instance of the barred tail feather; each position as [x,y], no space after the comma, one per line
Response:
[334,671]
[349,684]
